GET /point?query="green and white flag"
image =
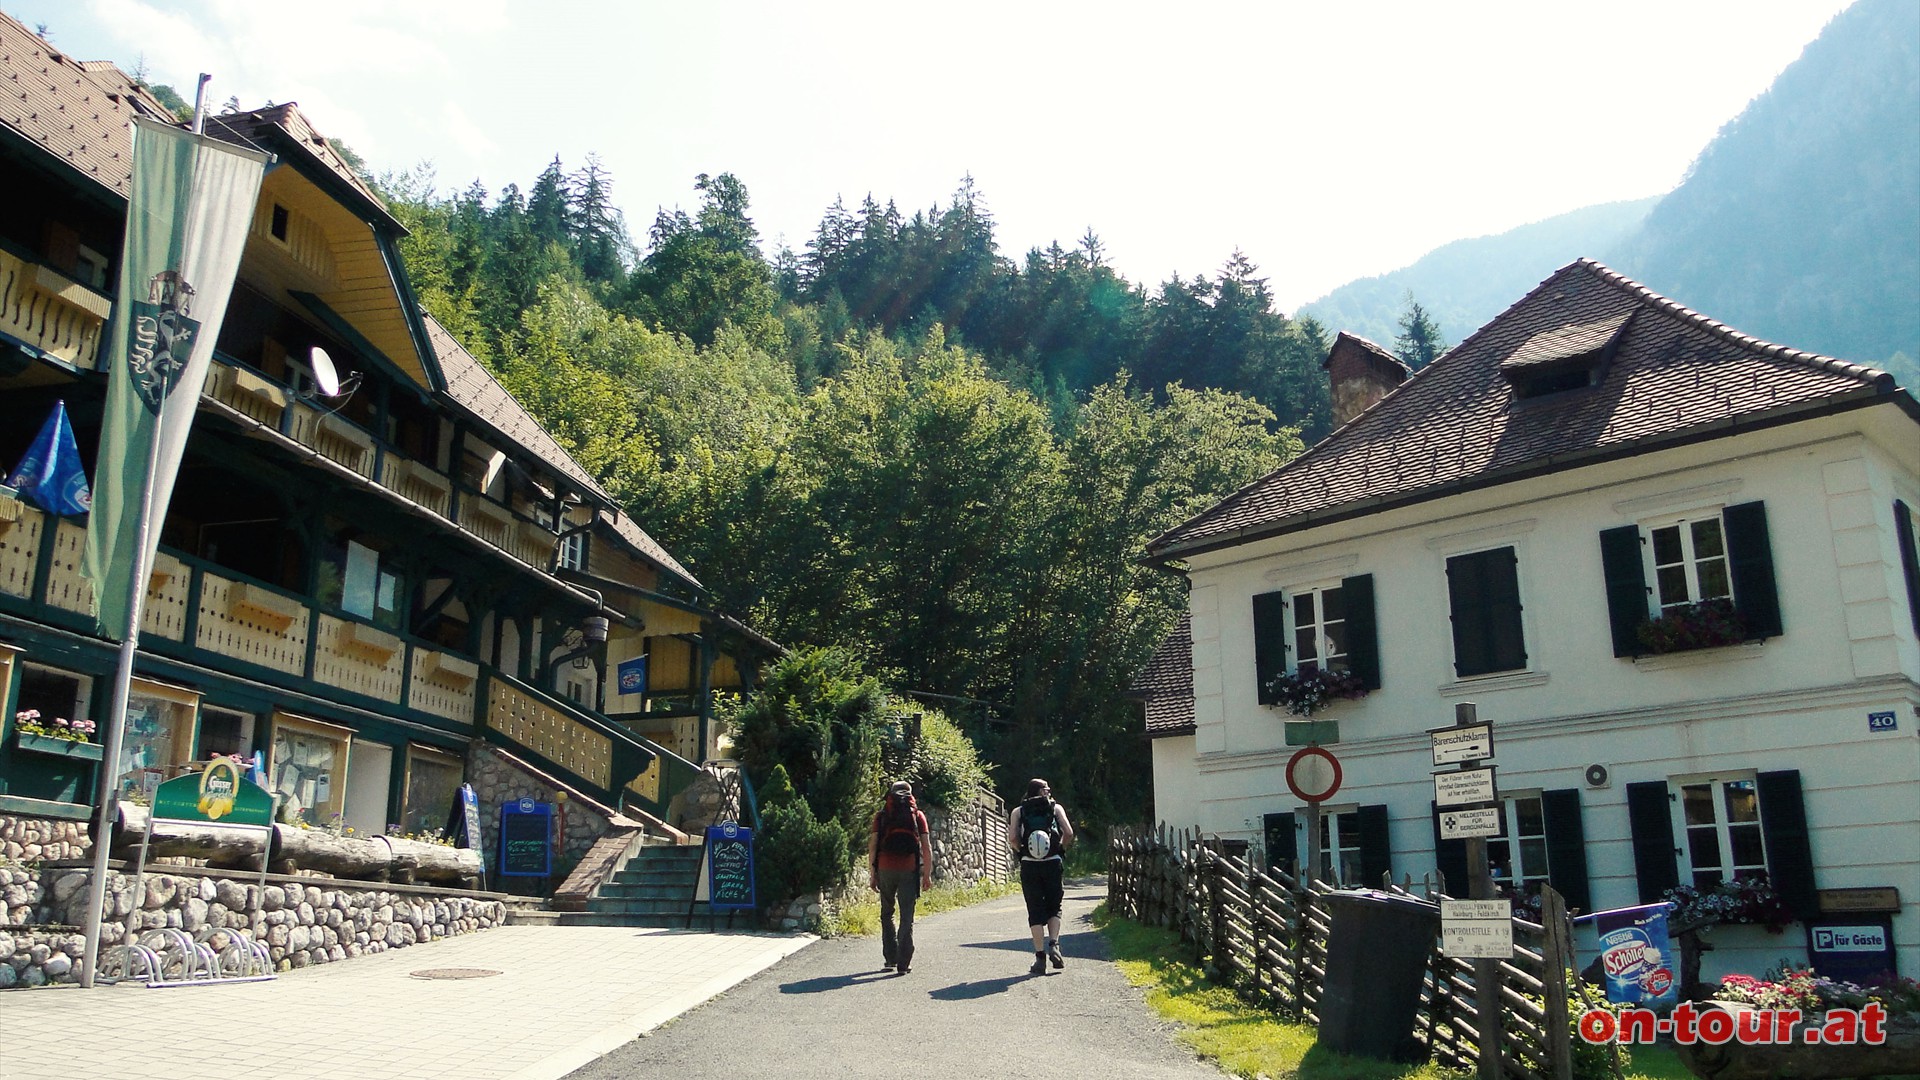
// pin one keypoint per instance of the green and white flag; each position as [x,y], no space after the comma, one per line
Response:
[193,201]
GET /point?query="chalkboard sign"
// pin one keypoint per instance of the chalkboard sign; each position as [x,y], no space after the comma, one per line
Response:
[463,821]
[526,839]
[729,867]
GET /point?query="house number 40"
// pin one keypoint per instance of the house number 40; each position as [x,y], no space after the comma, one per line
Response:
[1882,721]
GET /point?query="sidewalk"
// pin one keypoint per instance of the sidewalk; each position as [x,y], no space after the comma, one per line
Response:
[565,995]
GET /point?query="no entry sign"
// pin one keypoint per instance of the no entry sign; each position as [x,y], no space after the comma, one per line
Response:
[1313,774]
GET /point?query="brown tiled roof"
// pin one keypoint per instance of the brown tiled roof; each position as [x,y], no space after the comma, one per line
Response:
[77,110]
[256,127]
[1166,683]
[1674,374]
[473,388]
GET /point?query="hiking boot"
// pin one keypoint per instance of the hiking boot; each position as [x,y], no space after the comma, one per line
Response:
[1039,964]
[906,963]
[1053,954]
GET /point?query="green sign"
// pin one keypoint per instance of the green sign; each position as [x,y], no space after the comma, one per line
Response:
[219,794]
[1313,732]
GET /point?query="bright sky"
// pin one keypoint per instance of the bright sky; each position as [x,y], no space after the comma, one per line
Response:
[1328,140]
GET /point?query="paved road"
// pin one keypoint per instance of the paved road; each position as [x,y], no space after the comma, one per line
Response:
[967,1009]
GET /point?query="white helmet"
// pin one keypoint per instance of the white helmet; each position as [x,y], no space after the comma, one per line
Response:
[1039,843]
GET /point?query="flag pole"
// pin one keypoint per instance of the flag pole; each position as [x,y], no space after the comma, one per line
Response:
[116,734]
[109,785]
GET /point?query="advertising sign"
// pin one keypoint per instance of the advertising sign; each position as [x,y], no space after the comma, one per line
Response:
[218,793]
[633,675]
[1636,956]
[1460,788]
[729,867]
[526,839]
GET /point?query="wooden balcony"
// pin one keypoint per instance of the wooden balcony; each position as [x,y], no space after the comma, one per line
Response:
[50,311]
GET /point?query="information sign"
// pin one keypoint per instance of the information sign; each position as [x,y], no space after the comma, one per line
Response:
[1466,786]
[1481,821]
[1312,732]
[1476,928]
[526,839]
[1453,745]
[467,809]
[729,867]
[1855,949]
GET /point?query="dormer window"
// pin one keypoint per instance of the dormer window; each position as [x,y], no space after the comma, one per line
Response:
[1565,358]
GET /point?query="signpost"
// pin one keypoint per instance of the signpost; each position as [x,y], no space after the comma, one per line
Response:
[1467,744]
[1313,775]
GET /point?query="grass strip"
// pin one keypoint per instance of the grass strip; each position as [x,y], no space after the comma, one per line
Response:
[863,919]
[1249,1041]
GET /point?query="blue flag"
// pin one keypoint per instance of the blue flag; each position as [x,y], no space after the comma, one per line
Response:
[51,476]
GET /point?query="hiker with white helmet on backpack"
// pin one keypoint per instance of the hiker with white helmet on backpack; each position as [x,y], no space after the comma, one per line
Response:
[1039,831]
[899,868]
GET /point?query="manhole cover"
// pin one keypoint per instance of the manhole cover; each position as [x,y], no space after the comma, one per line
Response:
[453,973]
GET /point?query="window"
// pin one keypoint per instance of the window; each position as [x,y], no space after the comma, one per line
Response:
[307,771]
[433,782]
[223,731]
[1904,527]
[1340,841]
[573,551]
[159,735]
[1723,834]
[56,695]
[1484,605]
[1689,563]
[360,578]
[279,225]
[90,269]
[1319,630]
[1518,855]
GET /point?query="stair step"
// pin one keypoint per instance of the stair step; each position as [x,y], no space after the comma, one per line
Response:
[621,890]
[676,921]
[637,906]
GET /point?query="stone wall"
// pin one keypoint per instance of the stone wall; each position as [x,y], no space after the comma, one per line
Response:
[970,842]
[32,839]
[499,779]
[301,924]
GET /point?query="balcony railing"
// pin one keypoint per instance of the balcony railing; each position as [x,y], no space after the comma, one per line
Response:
[50,311]
[200,612]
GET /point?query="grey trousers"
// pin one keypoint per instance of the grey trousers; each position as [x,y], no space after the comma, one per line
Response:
[901,888]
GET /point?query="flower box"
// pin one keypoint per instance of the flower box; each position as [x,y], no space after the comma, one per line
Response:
[1302,692]
[56,747]
[1709,624]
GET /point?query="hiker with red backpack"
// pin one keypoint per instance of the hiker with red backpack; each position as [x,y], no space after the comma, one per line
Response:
[1039,831]
[899,868]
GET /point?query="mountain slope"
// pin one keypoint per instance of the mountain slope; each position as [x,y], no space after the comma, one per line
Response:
[1467,282]
[1800,222]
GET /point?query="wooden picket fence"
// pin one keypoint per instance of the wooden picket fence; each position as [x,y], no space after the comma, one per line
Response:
[1265,934]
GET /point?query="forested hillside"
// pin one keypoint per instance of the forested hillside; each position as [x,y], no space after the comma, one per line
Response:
[1800,222]
[897,439]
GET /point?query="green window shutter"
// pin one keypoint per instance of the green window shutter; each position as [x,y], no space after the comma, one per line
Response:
[1363,629]
[1909,559]
[1269,641]
[1651,823]
[1483,596]
[1566,847]
[1750,564]
[1283,848]
[1783,828]
[1376,845]
[1626,578]
[1450,858]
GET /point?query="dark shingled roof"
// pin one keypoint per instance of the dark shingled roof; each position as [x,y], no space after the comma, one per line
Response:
[1674,374]
[1166,683]
[77,110]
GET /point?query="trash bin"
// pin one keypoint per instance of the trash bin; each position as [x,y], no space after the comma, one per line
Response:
[1377,949]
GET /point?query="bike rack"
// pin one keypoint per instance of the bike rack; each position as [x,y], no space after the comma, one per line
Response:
[170,957]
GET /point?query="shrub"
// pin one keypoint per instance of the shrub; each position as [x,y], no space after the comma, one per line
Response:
[796,852]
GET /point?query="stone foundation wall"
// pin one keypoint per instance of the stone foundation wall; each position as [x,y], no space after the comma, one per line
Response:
[32,839]
[301,925]
[499,780]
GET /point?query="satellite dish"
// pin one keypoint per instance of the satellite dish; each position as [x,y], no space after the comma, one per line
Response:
[324,374]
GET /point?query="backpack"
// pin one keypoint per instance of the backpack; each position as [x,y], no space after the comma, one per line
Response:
[899,827]
[1039,829]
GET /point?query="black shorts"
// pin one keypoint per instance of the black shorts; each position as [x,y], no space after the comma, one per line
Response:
[1042,884]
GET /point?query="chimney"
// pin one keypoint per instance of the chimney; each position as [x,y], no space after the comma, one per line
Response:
[1360,373]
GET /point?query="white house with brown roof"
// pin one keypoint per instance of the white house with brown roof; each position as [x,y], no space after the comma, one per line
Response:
[1673,566]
